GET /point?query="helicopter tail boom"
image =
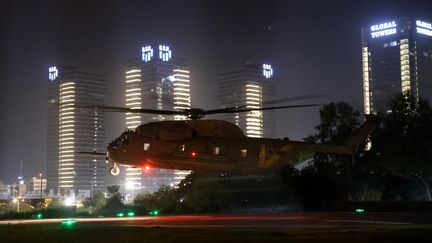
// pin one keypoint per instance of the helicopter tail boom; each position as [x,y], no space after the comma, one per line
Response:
[361,133]
[350,145]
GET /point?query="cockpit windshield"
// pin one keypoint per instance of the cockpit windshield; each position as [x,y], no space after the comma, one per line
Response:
[146,130]
[123,139]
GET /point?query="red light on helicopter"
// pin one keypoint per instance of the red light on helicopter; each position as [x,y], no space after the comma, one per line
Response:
[193,154]
[147,167]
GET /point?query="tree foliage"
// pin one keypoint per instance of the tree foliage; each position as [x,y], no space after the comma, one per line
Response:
[402,146]
[399,162]
[97,202]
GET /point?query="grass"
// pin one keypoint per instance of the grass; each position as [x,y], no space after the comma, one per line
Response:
[85,232]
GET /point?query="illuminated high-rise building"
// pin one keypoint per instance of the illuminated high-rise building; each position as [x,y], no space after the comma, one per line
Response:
[248,86]
[73,128]
[156,79]
[396,58]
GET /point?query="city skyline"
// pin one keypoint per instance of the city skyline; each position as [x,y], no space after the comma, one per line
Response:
[315,52]
[396,57]
[252,85]
[73,128]
[157,79]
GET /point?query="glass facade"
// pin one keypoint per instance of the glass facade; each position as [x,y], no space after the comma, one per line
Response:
[157,80]
[396,58]
[73,128]
[249,86]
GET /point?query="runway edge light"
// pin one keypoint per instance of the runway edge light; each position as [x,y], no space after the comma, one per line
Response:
[69,222]
[154,212]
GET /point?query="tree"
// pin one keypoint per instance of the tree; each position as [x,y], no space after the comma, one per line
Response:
[337,121]
[98,201]
[331,177]
[402,145]
[113,189]
[166,200]
[205,194]
[62,192]
[47,191]
[115,200]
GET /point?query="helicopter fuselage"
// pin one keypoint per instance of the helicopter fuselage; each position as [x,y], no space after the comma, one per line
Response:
[211,145]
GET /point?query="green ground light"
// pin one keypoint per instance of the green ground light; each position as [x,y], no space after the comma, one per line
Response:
[131,214]
[360,210]
[69,222]
[120,215]
[154,212]
[37,216]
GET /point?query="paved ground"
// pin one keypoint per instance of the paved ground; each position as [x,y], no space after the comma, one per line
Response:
[309,227]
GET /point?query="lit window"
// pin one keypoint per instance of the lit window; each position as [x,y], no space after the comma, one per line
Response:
[243,152]
[146,146]
[125,140]
[216,150]
[393,43]
[182,148]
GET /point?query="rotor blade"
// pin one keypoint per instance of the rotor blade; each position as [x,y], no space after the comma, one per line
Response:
[92,153]
[262,109]
[131,110]
[270,102]
[294,98]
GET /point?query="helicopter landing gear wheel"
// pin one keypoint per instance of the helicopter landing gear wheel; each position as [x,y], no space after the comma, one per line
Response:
[115,170]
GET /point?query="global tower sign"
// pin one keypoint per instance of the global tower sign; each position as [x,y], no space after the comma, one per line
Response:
[424,28]
[147,52]
[52,73]
[383,29]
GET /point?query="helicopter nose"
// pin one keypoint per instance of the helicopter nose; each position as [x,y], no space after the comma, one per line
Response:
[110,157]
[111,147]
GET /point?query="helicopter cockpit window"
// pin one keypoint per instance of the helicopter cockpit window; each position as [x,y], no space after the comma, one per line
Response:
[146,130]
[146,146]
[125,140]
[182,148]
[216,150]
[243,152]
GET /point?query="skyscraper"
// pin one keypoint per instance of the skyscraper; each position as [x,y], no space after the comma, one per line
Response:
[251,86]
[396,58]
[73,128]
[155,80]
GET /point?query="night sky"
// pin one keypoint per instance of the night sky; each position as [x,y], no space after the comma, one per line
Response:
[314,47]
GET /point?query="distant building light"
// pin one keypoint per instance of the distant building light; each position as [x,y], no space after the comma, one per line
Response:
[52,73]
[424,31]
[147,53]
[164,53]
[267,70]
[424,24]
[424,28]
[384,29]
[383,26]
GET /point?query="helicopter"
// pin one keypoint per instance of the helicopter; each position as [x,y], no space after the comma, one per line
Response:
[213,145]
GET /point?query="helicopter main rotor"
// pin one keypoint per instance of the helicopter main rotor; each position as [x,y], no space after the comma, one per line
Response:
[198,113]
